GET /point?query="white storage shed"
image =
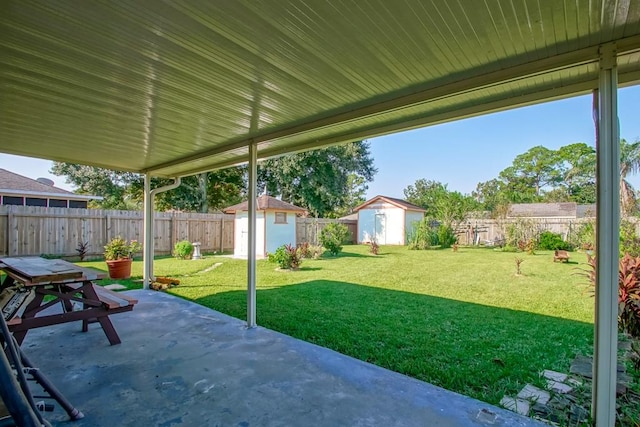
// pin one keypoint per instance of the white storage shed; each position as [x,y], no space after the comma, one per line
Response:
[387,220]
[275,225]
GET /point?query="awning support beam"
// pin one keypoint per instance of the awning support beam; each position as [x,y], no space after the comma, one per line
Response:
[251,256]
[148,248]
[607,241]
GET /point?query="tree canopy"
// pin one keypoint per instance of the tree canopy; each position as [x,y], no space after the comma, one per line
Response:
[448,207]
[327,182]
[564,175]
[322,181]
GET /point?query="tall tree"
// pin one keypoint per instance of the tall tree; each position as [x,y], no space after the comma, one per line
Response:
[124,190]
[578,169]
[532,171]
[492,196]
[205,192]
[448,207]
[629,164]
[317,180]
[113,186]
[426,194]
[355,195]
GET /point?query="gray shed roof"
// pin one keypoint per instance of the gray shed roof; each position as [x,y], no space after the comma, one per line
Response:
[266,202]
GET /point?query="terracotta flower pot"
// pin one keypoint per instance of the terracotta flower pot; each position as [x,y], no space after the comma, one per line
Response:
[120,268]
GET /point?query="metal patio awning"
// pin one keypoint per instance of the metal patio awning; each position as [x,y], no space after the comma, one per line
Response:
[175,88]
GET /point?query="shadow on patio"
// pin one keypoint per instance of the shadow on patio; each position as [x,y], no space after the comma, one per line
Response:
[183,364]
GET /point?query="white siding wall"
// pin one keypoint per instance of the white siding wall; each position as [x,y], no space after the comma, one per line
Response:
[280,234]
[412,218]
[241,230]
[384,223]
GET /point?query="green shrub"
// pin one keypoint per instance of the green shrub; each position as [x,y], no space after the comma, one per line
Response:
[629,241]
[446,236]
[287,257]
[553,241]
[333,236]
[522,230]
[423,236]
[584,237]
[183,249]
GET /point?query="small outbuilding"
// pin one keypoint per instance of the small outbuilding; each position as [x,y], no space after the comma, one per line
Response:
[387,220]
[275,225]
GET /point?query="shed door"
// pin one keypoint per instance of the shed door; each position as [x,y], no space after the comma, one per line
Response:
[380,229]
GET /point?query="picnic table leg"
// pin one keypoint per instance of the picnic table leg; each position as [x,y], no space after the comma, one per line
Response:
[90,293]
[29,313]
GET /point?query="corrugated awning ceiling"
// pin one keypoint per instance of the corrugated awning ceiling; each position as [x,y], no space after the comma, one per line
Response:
[174,88]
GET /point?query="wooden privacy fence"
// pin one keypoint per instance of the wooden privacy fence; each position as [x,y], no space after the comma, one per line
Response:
[31,230]
[491,230]
[308,229]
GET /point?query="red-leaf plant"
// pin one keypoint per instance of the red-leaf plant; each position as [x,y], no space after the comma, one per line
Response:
[628,292]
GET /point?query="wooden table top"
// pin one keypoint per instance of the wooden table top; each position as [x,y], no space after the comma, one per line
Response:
[38,271]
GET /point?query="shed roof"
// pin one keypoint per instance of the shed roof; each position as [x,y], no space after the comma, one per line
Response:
[543,210]
[403,204]
[176,88]
[266,202]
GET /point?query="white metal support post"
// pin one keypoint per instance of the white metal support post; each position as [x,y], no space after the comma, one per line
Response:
[251,264]
[607,242]
[147,249]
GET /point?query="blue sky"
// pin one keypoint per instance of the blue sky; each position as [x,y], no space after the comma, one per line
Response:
[462,153]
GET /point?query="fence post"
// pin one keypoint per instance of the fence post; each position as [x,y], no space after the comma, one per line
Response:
[221,234]
[171,233]
[107,227]
[10,227]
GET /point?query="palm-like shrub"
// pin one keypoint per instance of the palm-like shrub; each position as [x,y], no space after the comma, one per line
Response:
[628,292]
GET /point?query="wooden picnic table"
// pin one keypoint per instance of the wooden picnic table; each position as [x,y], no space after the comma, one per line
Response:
[29,280]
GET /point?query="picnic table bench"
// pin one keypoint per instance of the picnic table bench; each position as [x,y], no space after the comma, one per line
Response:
[34,284]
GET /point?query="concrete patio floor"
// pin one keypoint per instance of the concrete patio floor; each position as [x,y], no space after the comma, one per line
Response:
[181,364]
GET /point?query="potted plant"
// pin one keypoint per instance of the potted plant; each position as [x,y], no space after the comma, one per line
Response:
[118,254]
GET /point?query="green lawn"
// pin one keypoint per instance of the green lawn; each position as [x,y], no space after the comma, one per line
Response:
[462,320]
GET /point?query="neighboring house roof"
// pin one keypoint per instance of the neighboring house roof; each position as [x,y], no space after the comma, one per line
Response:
[403,204]
[350,217]
[543,210]
[13,184]
[586,211]
[265,202]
